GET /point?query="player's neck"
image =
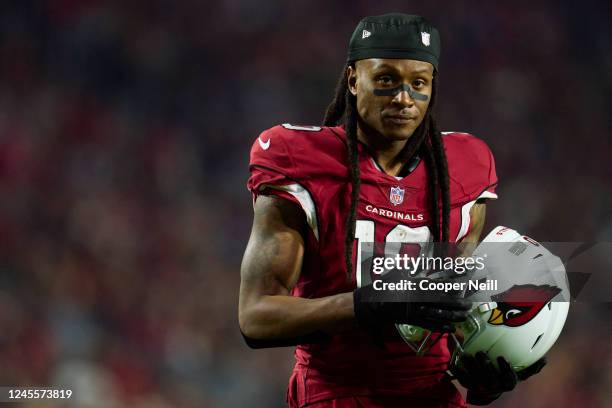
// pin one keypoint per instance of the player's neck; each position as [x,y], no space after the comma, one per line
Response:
[385,152]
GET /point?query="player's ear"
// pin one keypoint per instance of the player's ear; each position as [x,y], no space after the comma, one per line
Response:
[352,79]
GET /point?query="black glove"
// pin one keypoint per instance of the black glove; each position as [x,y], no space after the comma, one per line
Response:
[484,382]
[533,369]
[372,312]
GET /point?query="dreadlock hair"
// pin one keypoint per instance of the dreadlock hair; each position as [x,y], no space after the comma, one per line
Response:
[425,141]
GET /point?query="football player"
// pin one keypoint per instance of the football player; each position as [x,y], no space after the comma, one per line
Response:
[379,170]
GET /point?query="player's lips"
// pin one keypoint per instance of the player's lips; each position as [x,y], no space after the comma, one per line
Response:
[398,119]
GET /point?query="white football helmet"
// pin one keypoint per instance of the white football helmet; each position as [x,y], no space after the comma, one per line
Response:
[524,318]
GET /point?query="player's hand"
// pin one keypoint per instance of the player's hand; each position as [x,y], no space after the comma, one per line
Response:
[484,382]
[532,369]
[371,312]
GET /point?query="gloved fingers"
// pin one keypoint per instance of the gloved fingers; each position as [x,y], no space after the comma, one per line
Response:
[487,371]
[467,372]
[445,316]
[455,304]
[479,375]
[532,369]
[470,364]
[507,376]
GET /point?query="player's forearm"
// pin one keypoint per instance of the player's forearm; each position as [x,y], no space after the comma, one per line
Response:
[282,317]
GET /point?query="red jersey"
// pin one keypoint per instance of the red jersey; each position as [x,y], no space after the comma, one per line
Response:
[309,166]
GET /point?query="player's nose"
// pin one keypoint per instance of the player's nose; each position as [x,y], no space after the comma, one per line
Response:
[403,98]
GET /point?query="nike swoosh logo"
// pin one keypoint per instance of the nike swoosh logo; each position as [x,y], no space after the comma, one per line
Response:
[264,145]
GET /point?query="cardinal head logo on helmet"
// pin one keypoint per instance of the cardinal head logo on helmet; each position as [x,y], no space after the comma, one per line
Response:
[521,303]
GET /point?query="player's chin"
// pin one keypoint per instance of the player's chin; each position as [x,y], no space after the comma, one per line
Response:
[398,131]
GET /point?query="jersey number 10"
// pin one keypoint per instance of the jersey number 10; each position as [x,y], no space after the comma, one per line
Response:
[401,234]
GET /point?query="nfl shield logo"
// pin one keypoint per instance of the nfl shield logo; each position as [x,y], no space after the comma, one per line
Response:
[396,196]
[425,38]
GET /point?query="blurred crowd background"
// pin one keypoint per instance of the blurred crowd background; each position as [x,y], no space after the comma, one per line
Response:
[125,128]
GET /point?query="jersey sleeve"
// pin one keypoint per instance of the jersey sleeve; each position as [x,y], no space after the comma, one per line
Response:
[273,172]
[471,167]
[490,182]
[271,167]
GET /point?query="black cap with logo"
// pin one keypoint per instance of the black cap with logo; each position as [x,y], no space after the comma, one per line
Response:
[395,35]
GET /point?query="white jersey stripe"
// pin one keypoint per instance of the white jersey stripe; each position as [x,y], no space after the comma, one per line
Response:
[465,214]
[305,200]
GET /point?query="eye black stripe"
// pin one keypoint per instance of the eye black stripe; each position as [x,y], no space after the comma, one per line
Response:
[403,87]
